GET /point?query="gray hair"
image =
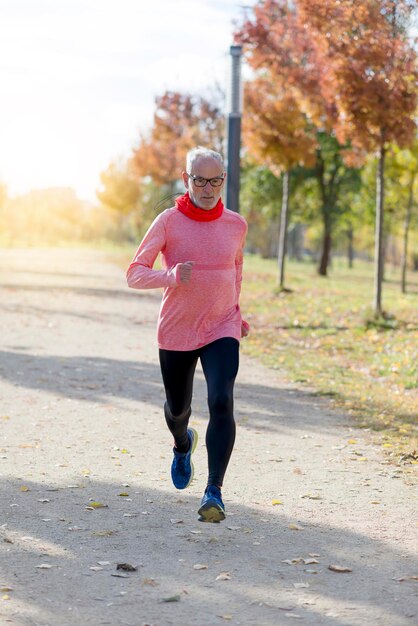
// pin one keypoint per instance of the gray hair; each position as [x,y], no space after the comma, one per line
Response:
[199,153]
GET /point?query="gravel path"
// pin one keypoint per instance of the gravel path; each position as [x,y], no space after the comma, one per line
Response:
[81,423]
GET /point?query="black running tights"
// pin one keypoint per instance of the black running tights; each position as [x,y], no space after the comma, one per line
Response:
[220,360]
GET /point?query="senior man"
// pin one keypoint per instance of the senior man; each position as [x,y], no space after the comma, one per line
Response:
[201,243]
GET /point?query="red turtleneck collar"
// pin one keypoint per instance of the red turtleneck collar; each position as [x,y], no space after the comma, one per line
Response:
[187,207]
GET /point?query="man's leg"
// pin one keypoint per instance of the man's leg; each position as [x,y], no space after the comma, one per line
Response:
[220,361]
[177,369]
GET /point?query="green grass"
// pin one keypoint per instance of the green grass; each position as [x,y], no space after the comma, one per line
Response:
[321,335]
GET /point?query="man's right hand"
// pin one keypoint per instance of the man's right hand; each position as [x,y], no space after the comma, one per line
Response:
[185,271]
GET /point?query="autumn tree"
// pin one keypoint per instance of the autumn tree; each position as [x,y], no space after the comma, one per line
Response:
[119,189]
[275,41]
[401,196]
[372,81]
[277,134]
[181,121]
[352,69]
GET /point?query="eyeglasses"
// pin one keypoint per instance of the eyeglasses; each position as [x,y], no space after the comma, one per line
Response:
[199,181]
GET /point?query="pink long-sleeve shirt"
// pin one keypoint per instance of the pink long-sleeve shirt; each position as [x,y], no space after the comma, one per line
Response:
[196,313]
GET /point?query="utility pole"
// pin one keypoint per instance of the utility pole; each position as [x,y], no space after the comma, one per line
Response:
[234,131]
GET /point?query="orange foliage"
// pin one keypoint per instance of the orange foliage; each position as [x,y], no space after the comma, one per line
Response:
[373,69]
[275,40]
[275,129]
[181,122]
[347,64]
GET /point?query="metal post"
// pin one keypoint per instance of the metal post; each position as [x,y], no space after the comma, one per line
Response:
[234,132]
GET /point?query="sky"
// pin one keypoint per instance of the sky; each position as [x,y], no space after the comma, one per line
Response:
[78,79]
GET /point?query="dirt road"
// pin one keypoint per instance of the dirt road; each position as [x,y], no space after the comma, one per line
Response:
[81,423]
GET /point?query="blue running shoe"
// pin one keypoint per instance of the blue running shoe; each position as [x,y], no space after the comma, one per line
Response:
[212,508]
[182,467]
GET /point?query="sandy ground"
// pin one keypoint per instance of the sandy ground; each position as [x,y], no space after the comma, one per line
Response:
[81,422]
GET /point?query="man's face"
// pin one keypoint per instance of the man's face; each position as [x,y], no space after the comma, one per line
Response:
[207,196]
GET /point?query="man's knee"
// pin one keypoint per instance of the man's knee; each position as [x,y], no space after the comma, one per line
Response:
[220,404]
[177,413]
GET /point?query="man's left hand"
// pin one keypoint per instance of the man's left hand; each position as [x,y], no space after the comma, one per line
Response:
[245,328]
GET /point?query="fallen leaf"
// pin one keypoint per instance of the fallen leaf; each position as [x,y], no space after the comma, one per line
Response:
[96,505]
[171,599]
[43,500]
[310,561]
[6,589]
[312,496]
[301,585]
[96,568]
[151,582]
[234,527]
[103,562]
[103,533]
[200,566]
[227,617]
[176,521]
[119,575]
[123,494]
[276,502]
[339,568]
[127,567]
[223,576]
[295,527]
[24,488]
[43,566]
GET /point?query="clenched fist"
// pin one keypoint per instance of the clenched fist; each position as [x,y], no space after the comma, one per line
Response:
[185,271]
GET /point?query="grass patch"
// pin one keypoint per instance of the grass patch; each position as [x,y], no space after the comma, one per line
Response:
[322,334]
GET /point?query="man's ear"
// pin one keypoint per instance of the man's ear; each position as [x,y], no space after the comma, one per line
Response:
[185,177]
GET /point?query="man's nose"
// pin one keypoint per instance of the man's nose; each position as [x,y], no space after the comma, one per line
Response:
[206,184]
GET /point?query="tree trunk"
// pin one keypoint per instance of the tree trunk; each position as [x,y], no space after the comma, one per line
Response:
[283,228]
[350,248]
[326,250]
[406,232]
[378,249]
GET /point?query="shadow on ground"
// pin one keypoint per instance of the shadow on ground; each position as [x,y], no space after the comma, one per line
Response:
[96,379]
[52,526]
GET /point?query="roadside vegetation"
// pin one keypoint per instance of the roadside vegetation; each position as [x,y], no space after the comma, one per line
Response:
[322,335]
